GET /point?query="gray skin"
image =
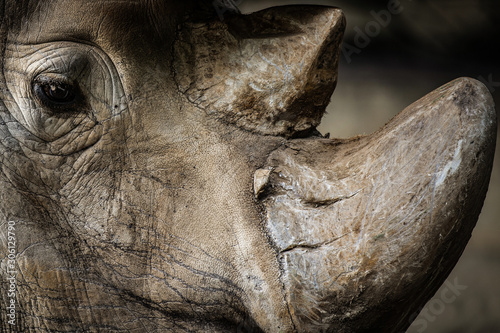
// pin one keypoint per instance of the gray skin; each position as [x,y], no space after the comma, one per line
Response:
[160,171]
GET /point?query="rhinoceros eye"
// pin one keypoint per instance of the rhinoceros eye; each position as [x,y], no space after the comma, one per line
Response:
[55,93]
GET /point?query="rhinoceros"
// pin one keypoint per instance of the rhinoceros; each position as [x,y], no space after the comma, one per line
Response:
[161,171]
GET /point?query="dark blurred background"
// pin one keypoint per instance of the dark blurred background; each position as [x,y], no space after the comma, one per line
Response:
[418,49]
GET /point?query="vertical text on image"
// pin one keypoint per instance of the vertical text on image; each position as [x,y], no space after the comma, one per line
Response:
[11,272]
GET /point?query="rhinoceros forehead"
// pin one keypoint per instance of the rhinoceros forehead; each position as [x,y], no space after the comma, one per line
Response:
[109,23]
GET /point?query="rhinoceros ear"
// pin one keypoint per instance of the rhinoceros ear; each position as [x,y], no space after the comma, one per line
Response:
[276,68]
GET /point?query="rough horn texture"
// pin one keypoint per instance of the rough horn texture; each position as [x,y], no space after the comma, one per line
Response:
[266,89]
[371,220]
[160,171]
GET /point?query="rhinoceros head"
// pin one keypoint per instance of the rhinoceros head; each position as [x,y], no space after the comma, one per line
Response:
[160,171]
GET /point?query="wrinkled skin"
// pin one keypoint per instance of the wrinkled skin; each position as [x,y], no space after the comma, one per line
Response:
[181,186]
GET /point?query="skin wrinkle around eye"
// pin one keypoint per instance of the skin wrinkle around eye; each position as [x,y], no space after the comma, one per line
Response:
[35,125]
[65,132]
